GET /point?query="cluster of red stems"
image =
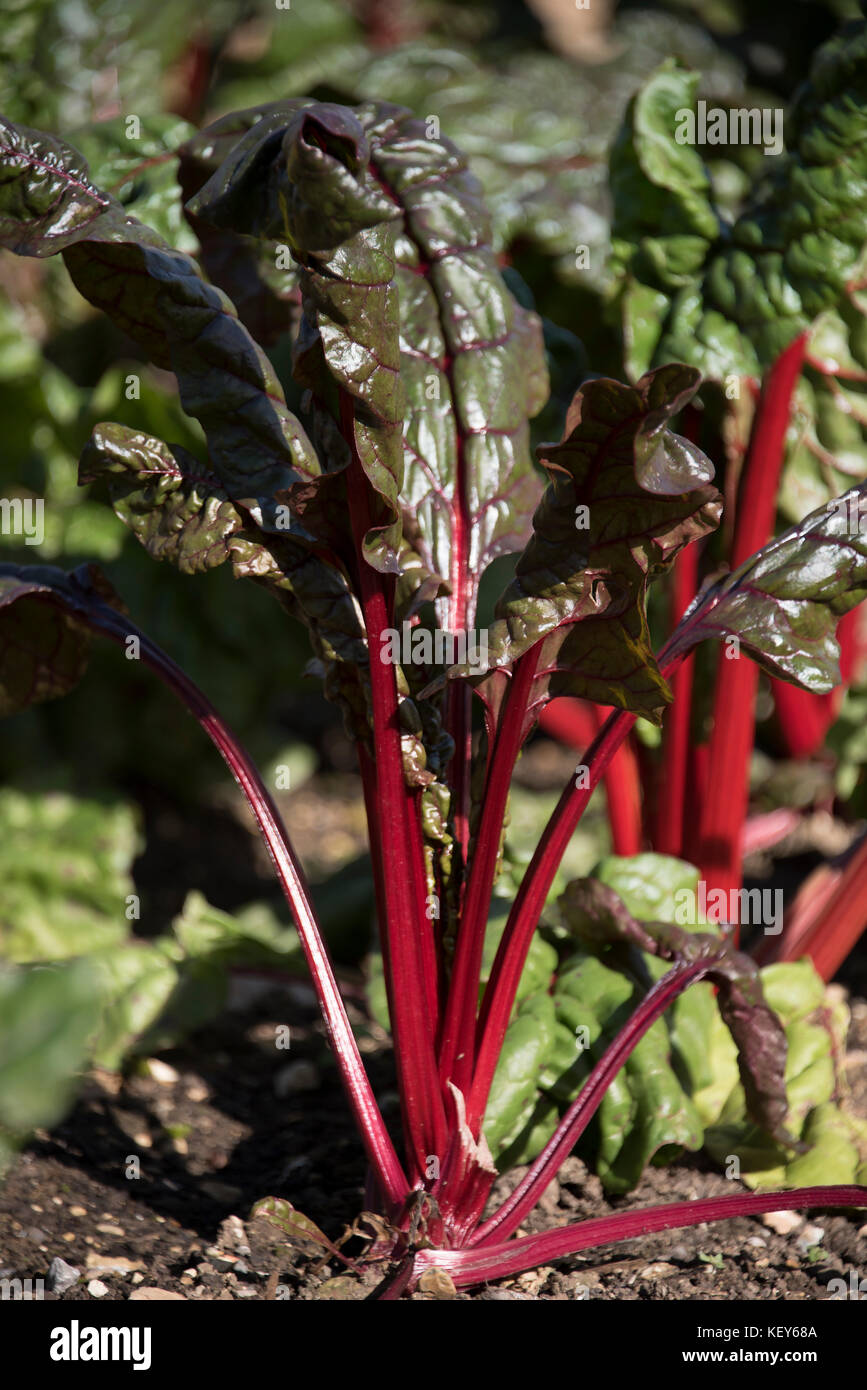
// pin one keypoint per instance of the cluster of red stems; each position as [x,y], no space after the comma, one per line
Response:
[446,1046]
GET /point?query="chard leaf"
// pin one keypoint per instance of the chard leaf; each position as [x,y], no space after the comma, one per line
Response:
[513,1096]
[730,300]
[647,1108]
[259,275]
[403,209]
[46,1019]
[181,512]
[600,918]
[783,603]
[65,867]
[49,204]
[44,636]
[626,494]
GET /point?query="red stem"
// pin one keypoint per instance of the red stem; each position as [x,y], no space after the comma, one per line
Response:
[413,984]
[724,806]
[476,1266]
[622,793]
[501,990]
[456,1059]
[828,916]
[379,1148]
[577,722]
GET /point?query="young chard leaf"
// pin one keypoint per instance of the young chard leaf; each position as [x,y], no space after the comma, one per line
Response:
[626,494]
[784,602]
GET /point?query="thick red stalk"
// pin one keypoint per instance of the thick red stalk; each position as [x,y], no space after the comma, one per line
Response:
[380,1150]
[725,803]
[803,718]
[544,1168]
[457,1054]
[622,793]
[477,1265]
[413,985]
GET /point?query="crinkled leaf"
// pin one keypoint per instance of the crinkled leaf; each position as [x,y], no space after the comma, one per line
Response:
[646,1108]
[49,204]
[44,638]
[181,512]
[816,1029]
[730,300]
[783,603]
[600,918]
[409,242]
[626,494]
[259,275]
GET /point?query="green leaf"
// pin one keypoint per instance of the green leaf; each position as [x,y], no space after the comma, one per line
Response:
[650,885]
[513,1096]
[65,866]
[46,1020]
[730,300]
[600,918]
[783,603]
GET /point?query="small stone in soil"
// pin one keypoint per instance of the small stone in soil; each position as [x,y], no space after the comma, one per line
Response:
[783,1222]
[232,1235]
[160,1072]
[61,1276]
[296,1078]
[97,1289]
[149,1293]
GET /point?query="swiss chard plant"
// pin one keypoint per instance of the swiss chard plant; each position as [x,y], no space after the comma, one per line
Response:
[769,306]
[373,522]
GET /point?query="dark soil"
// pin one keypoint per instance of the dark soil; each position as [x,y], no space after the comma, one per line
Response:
[218,1137]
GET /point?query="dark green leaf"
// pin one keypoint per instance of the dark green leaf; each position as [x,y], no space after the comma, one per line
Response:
[44,637]
[626,494]
[784,602]
[730,300]
[48,203]
[409,239]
